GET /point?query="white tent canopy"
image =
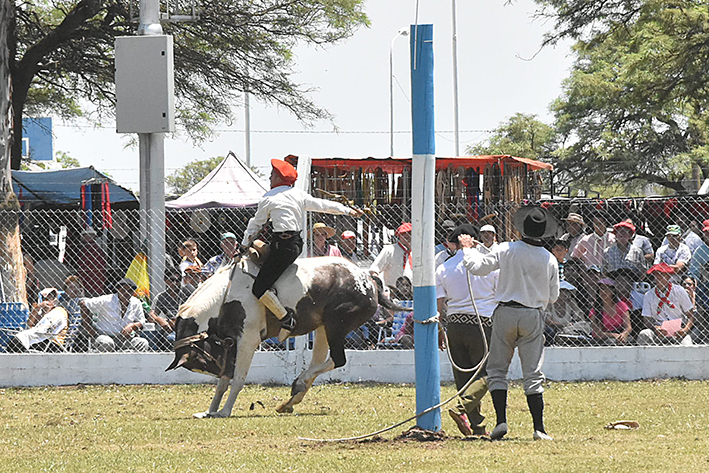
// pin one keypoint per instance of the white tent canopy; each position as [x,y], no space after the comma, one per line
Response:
[231,184]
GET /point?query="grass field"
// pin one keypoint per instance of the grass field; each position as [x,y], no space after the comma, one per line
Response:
[150,429]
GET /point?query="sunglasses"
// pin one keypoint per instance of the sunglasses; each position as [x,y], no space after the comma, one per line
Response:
[688,284]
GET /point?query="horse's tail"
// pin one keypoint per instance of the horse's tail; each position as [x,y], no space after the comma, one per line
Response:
[383,300]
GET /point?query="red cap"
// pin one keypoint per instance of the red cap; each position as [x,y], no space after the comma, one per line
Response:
[285,170]
[705,224]
[403,228]
[661,268]
[348,234]
[625,224]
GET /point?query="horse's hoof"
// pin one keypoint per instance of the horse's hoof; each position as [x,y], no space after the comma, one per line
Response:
[284,409]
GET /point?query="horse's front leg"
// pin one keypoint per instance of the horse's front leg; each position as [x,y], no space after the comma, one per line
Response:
[246,348]
[222,386]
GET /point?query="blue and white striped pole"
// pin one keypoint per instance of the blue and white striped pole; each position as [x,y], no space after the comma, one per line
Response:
[428,373]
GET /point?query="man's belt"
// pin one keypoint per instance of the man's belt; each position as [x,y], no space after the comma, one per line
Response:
[286,235]
[469,319]
[515,304]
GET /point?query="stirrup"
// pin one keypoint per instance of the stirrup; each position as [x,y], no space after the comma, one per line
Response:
[288,322]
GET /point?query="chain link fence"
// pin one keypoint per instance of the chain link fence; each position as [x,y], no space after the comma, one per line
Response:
[84,256]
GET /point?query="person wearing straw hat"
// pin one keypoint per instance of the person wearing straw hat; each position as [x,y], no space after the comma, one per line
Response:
[321,233]
[675,253]
[667,310]
[394,261]
[528,282]
[285,207]
[574,230]
[468,327]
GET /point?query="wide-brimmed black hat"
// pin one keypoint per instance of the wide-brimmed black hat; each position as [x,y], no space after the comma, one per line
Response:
[464,229]
[533,221]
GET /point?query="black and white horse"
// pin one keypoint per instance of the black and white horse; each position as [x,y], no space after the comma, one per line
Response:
[331,296]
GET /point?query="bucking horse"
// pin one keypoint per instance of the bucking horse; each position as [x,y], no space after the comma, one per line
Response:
[221,325]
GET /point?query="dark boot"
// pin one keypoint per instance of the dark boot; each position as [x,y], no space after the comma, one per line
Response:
[499,401]
[536,408]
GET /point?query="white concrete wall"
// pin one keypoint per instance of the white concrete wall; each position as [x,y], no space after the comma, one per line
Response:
[396,366]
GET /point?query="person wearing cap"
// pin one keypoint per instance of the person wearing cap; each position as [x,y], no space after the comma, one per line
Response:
[644,243]
[348,245]
[623,254]
[667,310]
[527,284]
[689,237]
[456,290]
[488,237]
[114,320]
[47,322]
[321,233]
[675,253]
[574,230]
[285,207]
[591,247]
[228,244]
[444,250]
[394,261]
[625,288]
[610,317]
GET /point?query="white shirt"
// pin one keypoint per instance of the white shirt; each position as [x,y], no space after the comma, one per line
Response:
[51,324]
[285,206]
[672,256]
[391,263]
[591,247]
[108,312]
[529,274]
[452,285]
[679,298]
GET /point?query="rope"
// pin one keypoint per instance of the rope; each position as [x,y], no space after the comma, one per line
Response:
[476,369]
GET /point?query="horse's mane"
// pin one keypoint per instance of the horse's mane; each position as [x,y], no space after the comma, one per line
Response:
[206,300]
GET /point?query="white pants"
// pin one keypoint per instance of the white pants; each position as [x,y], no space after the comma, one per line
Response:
[522,328]
[106,343]
[649,337]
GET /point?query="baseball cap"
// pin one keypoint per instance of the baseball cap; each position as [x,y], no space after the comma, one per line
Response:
[226,235]
[673,230]
[488,228]
[348,234]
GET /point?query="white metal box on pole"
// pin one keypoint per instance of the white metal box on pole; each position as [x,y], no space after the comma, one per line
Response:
[145,84]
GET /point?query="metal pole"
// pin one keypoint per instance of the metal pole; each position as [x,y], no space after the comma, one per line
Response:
[455,82]
[401,32]
[152,173]
[247,128]
[428,391]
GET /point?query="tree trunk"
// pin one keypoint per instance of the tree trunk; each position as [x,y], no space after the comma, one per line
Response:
[12,270]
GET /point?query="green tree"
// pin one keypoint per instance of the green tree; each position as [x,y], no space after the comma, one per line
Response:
[66,161]
[186,177]
[634,108]
[522,135]
[64,56]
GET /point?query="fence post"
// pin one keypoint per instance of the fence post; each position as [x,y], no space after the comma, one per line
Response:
[428,392]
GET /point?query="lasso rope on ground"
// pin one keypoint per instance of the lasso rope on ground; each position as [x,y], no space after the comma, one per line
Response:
[476,369]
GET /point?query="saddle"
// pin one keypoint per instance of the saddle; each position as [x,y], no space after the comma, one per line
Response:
[255,256]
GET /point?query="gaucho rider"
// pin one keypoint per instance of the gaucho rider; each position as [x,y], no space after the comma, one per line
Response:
[284,206]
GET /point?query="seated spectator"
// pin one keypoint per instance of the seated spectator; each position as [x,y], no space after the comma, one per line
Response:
[117,319]
[165,308]
[565,323]
[625,279]
[610,318]
[405,335]
[591,247]
[348,246]
[560,248]
[191,279]
[404,289]
[228,245]
[47,324]
[675,253]
[642,242]
[321,233]
[574,230]
[188,252]
[667,310]
[622,254]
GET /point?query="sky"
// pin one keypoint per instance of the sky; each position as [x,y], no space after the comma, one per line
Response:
[501,71]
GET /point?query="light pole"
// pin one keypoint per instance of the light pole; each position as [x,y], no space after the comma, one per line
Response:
[401,32]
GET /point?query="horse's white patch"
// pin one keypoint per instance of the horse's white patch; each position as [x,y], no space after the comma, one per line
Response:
[363,282]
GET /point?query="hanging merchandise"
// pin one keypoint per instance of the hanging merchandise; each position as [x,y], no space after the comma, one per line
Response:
[106,206]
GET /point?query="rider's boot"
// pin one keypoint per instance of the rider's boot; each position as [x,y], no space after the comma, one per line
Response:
[285,315]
